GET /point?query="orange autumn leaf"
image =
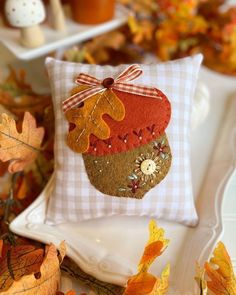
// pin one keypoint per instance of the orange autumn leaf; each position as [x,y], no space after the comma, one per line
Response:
[1,246]
[220,272]
[88,119]
[145,283]
[3,168]
[20,148]
[21,189]
[200,279]
[17,262]
[151,252]
[47,280]
[140,284]
[154,248]
[15,86]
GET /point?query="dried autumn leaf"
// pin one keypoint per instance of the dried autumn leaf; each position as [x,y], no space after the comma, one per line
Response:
[17,96]
[18,262]
[21,188]
[71,292]
[154,248]
[88,119]
[1,246]
[19,148]
[140,284]
[144,283]
[3,168]
[46,282]
[221,273]
[200,279]
[161,286]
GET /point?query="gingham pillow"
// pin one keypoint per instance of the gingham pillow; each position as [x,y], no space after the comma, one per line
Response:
[74,198]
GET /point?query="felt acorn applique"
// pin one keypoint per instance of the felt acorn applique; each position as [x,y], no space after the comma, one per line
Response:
[120,130]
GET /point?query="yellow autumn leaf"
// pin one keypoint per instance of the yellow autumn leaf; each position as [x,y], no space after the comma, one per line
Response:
[161,286]
[133,24]
[144,283]
[200,279]
[46,282]
[220,272]
[20,148]
[154,248]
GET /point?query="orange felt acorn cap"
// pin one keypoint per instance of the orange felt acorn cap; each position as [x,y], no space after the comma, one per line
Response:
[146,118]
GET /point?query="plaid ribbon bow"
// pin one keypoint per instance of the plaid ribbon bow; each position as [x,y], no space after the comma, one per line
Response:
[99,86]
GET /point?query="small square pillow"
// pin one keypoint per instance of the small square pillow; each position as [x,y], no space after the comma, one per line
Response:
[124,150]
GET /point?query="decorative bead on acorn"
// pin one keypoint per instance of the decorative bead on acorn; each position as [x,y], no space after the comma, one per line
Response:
[120,130]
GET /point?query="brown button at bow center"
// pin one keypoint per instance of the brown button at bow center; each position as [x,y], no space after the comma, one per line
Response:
[108,82]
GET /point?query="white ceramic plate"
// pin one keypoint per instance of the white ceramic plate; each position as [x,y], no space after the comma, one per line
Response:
[110,248]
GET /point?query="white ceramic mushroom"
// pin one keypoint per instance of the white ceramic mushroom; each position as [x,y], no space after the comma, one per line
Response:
[57,15]
[27,15]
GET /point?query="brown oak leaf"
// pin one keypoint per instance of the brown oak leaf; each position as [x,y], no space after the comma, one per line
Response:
[47,278]
[20,148]
[88,119]
[17,262]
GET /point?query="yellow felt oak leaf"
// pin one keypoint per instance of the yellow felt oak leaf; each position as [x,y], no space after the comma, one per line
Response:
[145,283]
[17,262]
[88,119]
[154,248]
[46,281]
[20,148]
[220,272]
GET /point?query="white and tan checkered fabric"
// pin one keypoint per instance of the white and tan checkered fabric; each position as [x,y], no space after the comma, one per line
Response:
[74,198]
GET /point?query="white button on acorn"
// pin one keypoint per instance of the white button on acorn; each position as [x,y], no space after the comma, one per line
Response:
[148,167]
[27,15]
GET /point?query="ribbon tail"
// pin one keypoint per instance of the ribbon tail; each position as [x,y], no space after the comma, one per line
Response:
[79,97]
[131,73]
[138,90]
[87,80]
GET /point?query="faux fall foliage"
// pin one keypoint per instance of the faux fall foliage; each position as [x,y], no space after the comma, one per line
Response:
[20,148]
[144,283]
[30,271]
[217,277]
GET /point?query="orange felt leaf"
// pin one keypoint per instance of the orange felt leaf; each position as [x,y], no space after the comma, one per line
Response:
[140,284]
[47,280]
[220,272]
[18,262]
[22,148]
[88,119]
